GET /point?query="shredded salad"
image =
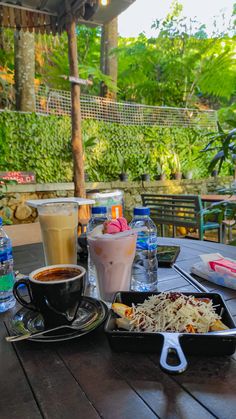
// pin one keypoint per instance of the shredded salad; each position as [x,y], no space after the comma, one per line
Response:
[172,312]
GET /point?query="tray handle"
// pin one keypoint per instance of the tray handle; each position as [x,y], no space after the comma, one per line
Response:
[171,344]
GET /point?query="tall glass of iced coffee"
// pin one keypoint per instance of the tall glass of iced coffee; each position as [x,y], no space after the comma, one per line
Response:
[59,224]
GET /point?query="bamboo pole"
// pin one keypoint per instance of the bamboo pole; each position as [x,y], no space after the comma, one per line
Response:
[76,141]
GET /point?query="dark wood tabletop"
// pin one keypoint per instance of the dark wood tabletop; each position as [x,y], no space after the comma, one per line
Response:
[83,378]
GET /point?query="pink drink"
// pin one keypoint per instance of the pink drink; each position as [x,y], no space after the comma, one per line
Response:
[113,258]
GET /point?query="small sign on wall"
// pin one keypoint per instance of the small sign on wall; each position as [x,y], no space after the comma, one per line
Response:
[20,177]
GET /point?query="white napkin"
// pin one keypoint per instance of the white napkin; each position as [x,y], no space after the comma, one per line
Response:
[203,270]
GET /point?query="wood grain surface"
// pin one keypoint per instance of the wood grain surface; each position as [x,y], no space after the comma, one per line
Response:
[84,378]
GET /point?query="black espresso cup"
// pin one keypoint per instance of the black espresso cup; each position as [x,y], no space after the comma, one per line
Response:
[55,292]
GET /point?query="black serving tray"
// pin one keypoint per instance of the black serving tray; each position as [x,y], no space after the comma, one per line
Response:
[179,343]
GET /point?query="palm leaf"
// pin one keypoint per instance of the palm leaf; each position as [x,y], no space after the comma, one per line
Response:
[218,76]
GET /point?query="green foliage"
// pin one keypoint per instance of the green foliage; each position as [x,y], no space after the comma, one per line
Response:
[36,143]
[89,142]
[124,166]
[56,63]
[7,48]
[43,145]
[227,116]
[223,143]
[181,66]
[142,149]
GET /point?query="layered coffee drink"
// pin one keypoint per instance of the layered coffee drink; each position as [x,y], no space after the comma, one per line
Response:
[59,223]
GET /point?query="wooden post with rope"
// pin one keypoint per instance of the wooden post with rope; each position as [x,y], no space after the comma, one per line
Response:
[76,141]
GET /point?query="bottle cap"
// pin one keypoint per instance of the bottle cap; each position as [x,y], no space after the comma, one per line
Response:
[99,210]
[141,211]
[1,222]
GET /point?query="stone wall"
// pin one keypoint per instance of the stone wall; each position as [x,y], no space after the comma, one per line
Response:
[18,211]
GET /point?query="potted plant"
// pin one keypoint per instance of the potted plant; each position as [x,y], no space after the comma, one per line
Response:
[161,174]
[188,165]
[162,165]
[188,174]
[145,177]
[123,176]
[145,166]
[214,173]
[223,143]
[188,152]
[175,166]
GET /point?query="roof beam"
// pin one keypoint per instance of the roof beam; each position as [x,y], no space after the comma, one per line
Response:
[28,9]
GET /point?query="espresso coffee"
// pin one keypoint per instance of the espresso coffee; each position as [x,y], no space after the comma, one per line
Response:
[56,274]
[54,291]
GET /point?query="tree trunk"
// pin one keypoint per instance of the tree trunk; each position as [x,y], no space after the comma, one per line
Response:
[24,71]
[108,64]
[77,145]
[2,40]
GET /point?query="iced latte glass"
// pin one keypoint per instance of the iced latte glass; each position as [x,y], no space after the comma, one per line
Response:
[59,224]
[113,258]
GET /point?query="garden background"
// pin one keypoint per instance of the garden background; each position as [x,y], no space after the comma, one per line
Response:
[183,66]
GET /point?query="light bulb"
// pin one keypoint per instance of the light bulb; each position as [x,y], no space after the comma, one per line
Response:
[104,2]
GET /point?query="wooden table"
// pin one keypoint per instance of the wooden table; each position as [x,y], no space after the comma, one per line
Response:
[217,198]
[83,378]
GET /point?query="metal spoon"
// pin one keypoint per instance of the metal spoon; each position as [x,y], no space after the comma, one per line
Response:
[28,335]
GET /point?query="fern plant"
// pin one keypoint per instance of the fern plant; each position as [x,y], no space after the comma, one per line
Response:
[224,144]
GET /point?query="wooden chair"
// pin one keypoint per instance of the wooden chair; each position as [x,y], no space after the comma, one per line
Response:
[182,211]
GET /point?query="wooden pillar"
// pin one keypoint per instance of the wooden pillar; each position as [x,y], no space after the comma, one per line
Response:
[77,145]
[108,62]
[24,58]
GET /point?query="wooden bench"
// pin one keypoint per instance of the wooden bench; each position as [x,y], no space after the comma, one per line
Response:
[181,211]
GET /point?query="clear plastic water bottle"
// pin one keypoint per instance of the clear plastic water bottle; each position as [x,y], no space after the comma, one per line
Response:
[7,299]
[144,270]
[98,216]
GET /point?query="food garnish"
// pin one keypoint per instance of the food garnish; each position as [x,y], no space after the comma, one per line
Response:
[169,312]
[115,226]
[111,228]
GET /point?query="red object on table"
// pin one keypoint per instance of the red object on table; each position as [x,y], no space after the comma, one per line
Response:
[223,265]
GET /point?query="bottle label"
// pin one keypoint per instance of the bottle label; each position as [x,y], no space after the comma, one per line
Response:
[6,254]
[116,211]
[145,242]
[6,282]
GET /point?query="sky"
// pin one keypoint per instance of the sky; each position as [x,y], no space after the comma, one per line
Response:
[140,15]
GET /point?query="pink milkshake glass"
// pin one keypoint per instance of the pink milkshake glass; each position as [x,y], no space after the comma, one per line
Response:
[113,258]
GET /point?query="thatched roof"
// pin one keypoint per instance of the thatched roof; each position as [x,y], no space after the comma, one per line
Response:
[51,16]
